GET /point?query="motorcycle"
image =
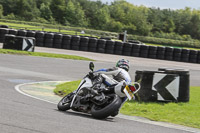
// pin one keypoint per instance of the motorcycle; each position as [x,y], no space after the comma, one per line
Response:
[92,96]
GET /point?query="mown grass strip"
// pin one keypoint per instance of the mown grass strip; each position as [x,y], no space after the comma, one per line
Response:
[187,114]
[63,56]
[66,88]
[43,28]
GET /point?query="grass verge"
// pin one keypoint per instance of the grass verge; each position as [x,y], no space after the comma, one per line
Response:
[66,88]
[187,114]
[17,52]
[50,28]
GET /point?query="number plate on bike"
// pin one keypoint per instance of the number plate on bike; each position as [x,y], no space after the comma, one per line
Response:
[128,93]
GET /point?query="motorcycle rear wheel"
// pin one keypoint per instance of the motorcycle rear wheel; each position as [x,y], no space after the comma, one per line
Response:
[109,109]
[64,103]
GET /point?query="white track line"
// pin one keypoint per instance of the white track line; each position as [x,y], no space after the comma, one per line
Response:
[17,88]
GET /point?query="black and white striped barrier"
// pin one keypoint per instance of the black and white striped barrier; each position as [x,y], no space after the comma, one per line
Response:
[19,43]
[163,85]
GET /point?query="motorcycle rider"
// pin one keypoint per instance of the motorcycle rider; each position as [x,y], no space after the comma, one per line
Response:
[120,74]
[121,77]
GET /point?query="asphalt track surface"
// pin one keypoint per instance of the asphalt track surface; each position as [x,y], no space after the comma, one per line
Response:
[22,114]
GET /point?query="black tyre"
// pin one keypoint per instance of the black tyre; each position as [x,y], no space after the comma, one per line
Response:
[153,48]
[67,37]
[58,36]
[161,56]
[13,31]
[65,102]
[84,39]
[22,33]
[114,103]
[91,49]
[30,34]
[185,51]
[118,52]
[83,48]
[39,34]
[185,59]
[153,56]
[48,35]
[152,52]
[135,54]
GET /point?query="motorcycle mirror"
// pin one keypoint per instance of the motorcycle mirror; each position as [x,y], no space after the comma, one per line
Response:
[91,66]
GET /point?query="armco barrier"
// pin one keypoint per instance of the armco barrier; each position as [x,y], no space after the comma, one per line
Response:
[19,43]
[132,48]
[163,85]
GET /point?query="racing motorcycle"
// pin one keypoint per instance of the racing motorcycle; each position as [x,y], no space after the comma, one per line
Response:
[92,96]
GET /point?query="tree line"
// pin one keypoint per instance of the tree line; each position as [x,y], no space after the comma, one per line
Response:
[181,24]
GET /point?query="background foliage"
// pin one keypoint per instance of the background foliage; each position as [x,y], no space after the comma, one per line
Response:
[181,24]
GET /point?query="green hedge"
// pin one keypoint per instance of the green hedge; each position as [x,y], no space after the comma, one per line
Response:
[163,41]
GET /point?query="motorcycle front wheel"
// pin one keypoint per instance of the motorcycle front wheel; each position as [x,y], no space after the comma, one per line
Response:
[113,105]
[65,103]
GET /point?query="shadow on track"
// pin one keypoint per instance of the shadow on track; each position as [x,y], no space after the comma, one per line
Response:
[85,115]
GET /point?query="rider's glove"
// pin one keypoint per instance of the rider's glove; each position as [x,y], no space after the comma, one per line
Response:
[91,75]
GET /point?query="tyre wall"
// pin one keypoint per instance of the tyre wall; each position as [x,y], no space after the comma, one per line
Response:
[63,41]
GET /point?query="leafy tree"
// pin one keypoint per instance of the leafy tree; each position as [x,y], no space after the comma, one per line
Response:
[45,11]
[101,18]
[40,2]
[195,26]
[74,14]
[1,11]
[182,19]
[58,10]
[9,6]
[114,26]
[26,9]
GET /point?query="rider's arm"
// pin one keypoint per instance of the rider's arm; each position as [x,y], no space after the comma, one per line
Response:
[111,71]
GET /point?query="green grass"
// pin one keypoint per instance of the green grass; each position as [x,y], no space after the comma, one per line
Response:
[42,28]
[187,114]
[66,88]
[17,52]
